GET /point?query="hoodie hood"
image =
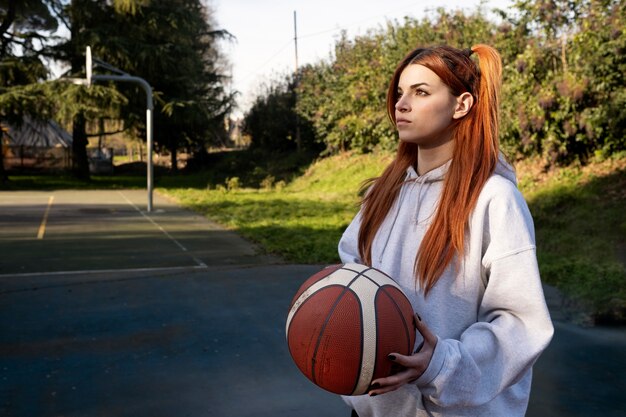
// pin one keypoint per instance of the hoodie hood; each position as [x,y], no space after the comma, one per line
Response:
[420,194]
[503,168]
[437,174]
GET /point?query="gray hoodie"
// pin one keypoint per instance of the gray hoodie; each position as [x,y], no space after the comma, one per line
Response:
[488,310]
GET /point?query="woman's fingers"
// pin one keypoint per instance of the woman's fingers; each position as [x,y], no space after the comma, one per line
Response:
[406,361]
[413,365]
[421,327]
[392,383]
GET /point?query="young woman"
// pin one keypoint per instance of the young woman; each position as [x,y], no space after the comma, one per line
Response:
[446,220]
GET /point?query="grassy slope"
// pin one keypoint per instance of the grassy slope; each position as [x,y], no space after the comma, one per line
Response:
[580,221]
[303,221]
[579,217]
[579,213]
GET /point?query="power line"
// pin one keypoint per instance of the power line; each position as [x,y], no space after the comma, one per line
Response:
[322,32]
[314,34]
[258,68]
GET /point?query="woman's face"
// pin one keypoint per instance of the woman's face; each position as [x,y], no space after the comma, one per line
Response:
[424,108]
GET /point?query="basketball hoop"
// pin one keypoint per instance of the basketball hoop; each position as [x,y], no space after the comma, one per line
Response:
[124,77]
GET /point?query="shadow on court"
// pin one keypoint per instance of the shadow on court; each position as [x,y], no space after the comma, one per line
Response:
[106,310]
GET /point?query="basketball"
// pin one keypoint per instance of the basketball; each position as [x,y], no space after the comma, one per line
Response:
[342,324]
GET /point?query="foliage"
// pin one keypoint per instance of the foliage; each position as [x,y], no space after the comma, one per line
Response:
[253,167]
[272,122]
[565,95]
[563,88]
[173,46]
[344,99]
[23,26]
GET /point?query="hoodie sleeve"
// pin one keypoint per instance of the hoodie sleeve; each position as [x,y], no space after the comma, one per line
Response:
[349,242]
[513,325]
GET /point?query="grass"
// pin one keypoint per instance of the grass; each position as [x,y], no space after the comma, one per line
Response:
[298,210]
[579,218]
[301,221]
[580,222]
[66,181]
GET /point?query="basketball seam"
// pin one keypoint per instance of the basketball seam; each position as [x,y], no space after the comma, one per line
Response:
[369,268]
[362,328]
[373,280]
[362,338]
[330,313]
[306,300]
[399,310]
[359,273]
[328,316]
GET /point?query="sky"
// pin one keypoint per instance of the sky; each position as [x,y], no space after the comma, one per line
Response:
[264,29]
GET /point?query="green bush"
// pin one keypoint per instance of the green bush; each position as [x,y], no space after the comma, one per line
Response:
[563,95]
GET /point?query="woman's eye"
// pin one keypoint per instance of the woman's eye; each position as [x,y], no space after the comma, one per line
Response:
[420,92]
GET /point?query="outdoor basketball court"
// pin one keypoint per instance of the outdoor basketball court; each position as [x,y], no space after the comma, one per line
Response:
[74,231]
[106,310]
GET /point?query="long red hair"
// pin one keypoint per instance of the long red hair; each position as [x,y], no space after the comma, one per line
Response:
[474,157]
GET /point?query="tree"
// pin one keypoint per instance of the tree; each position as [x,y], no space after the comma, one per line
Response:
[22,28]
[566,88]
[173,45]
[26,41]
[344,99]
[272,122]
[189,76]
[86,22]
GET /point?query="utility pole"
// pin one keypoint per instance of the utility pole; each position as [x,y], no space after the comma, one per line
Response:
[295,37]
[297,81]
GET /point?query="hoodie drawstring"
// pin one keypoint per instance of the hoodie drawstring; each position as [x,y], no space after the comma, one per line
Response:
[395,218]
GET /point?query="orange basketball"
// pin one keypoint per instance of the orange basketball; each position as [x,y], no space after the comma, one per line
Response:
[342,324]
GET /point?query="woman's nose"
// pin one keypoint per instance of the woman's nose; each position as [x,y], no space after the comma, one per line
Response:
[402,105]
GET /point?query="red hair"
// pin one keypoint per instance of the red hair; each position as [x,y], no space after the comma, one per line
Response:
[474,158]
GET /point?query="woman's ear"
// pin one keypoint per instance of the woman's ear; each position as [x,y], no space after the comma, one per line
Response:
[464,104]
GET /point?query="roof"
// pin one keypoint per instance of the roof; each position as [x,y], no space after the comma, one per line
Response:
[45,134]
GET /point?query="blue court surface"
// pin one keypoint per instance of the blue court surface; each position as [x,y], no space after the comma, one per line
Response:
[106,310]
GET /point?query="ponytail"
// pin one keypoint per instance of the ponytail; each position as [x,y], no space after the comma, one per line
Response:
[488,100]
[474,159]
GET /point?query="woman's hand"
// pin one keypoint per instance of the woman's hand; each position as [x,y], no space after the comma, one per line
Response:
[411,367]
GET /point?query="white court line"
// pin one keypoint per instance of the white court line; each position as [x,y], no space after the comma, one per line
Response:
[101,271]
[184,249]
[42,227]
